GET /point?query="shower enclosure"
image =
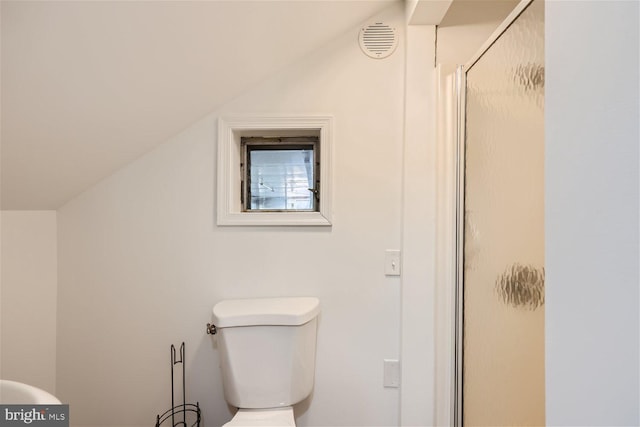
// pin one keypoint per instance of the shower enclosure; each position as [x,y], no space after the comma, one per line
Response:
[500,279]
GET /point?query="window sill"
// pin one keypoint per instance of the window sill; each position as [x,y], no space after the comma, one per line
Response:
[274,219]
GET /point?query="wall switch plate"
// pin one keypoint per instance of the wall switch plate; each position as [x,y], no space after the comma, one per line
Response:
[391,375]
[392,262]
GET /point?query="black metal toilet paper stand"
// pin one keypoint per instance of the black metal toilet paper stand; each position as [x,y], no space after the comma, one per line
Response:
[178,414]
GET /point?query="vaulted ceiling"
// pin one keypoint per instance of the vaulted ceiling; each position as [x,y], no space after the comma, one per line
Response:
[88,86]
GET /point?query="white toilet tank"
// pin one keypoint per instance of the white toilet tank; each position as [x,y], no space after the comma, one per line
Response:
[267,350]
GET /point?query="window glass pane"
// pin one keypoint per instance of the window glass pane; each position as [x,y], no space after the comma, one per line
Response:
[281,179]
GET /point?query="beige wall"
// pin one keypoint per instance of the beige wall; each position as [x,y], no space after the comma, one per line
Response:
[28,297]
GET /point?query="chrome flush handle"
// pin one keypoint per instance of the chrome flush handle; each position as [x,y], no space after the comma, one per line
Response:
[211,329]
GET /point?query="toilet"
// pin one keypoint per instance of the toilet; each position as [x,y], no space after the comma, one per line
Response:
[267,356]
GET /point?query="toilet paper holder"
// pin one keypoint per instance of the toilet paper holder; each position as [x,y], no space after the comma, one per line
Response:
[179,413]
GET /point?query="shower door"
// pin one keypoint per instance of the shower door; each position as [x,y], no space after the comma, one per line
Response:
[501,285]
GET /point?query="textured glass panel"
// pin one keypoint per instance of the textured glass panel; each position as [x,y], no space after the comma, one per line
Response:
[503,366]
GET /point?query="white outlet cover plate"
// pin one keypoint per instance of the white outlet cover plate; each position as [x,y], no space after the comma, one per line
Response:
[391,375]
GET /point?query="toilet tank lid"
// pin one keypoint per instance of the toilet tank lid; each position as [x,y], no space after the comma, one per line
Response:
[286,311]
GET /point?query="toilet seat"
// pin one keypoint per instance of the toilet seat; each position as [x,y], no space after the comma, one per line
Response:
[275,417]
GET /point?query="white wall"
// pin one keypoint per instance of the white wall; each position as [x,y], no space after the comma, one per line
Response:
[592,138]
[419,231]
[28,297]
[142,263]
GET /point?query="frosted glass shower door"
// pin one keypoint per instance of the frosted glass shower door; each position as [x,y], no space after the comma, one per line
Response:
[503,286]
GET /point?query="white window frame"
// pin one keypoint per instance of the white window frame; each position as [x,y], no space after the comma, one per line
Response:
[230,130]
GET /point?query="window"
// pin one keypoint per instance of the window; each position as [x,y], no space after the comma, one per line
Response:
[280,174]
[274,171]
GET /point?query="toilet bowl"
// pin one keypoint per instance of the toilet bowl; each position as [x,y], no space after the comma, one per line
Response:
[267,357]
[275,417]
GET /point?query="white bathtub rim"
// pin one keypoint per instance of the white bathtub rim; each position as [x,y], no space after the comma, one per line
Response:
[16,393]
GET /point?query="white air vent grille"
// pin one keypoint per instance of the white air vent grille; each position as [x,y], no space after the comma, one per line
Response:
[378,40]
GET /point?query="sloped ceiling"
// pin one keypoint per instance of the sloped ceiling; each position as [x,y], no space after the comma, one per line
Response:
[88,86]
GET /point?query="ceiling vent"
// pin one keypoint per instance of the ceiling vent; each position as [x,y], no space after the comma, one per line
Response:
[378,40]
